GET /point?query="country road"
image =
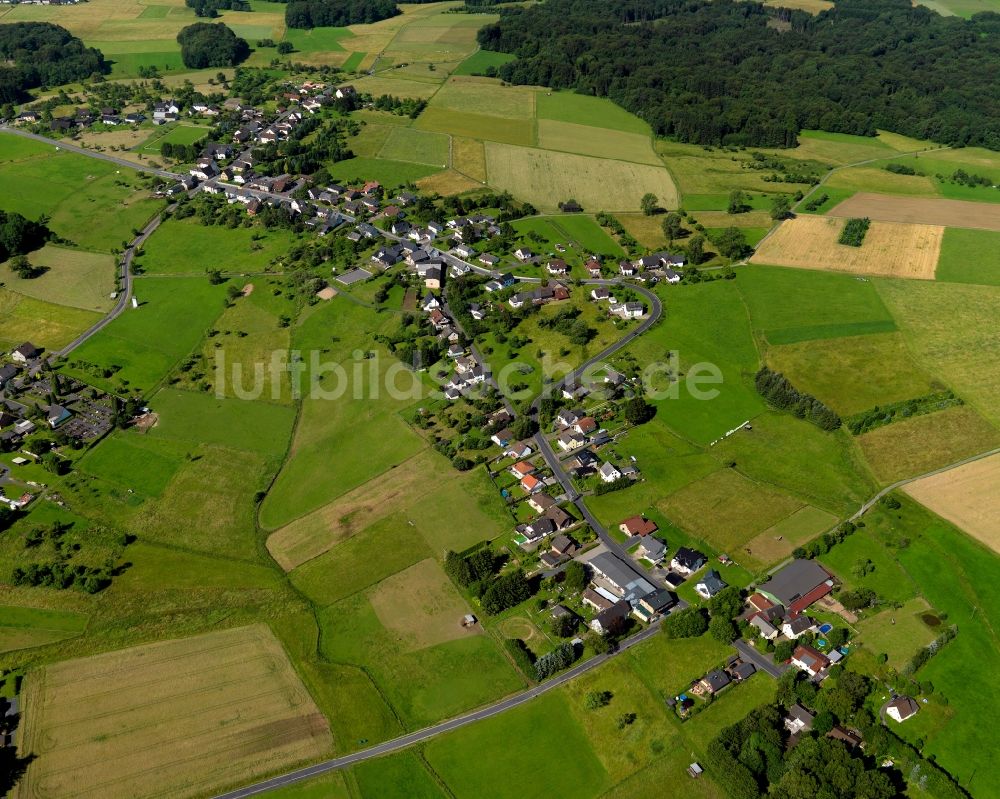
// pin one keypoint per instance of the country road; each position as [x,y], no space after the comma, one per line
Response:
[409,739]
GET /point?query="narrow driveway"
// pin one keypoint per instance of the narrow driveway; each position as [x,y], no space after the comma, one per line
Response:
[761,661]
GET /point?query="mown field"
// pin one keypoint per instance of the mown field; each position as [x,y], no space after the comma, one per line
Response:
[257,717]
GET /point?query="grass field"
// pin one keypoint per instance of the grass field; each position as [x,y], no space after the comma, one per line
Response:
[187,247]
[580,109]
[892,249]
[90,203]
[923,443]
[600,142]
[21,627]
[967,497]
[489,127]
[229,703]
[779,540]
[389,173]
[479,61]
[919,211]
[970,256]
[826,305]
[897,633]
[173,134]
[146,342]
[421,147]
[75,278]
[398,776]
[949,328]
[43,323]
[851,374]
[526,764]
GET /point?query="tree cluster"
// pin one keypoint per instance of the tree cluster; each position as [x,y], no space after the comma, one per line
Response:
[205,44]
[853,234]
[882,415]
[336,13]
[40,54]
[19,235]
[824,543]
[211,8]
[687,623]
[400,106]
[754,75]
[506,591]
[560,658]
[776,389]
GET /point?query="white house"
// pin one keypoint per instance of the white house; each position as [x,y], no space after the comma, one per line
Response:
[901,708]
[609,472]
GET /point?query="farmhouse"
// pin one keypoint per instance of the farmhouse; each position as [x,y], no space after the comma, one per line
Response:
[25,353]
[901,708]
[597,601]
[614,575]
[798,585]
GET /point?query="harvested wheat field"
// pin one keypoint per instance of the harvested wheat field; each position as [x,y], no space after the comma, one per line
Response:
[890,248]
[923,211]
[172,719]
[966,496]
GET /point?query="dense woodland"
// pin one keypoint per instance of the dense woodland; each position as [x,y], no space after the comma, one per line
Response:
[211,8]
[206,45]
[334,13]
[727,72]
[40,54]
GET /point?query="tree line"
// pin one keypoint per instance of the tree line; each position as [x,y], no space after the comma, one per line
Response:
[39,54]
[211,8]
[309,14]
[776,389]
[740,73]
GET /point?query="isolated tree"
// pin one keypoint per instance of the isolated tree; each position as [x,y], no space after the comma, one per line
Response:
[780,208]
[783,651]
[649,203]
[696,250]
[21,267]
[284,48]
[638,411]
[732,243]
[687,623]
[672,226]
[738,202]
[575,576]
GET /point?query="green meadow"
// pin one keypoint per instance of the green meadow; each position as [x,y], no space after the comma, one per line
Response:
[969,256]
[480,61]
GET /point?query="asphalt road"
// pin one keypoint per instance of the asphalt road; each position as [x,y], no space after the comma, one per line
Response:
[405,741]
[762,662]
[62,144]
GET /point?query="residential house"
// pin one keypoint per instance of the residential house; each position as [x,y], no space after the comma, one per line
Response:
[652,549]
[852,739]
[714,681]
[593,267]
[531,484]
[570,440]
[522,468]
[766,629]
[743,671]
[710,584]
[901,708]
[55,415]
[597,601]
[432,278]
[464,250]
[430,302]
[476,311]
[574,392]
[600,293]
[795,626]
[687,561]
[488,260]
[799,719]
[557,266]
[638,525]
[609,472]
[7,373]
[655,604]
[671,276]
[523,254]
[809,660]
[585,425]
[502,437]
[455,350]
[614,575]
[567,418]
[536,530]
[629,310]
[560,518]
[627,269]
[344,91]
[25,353]
[612,619]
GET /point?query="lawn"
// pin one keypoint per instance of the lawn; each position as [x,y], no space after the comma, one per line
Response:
[173,134]
[90,203]
[826,305]
[365,419]
[146,342]
[185,246]
[970,256]
[536,738]
[585,231]
[951,330]
[481,60]
[855,373]
[75,278]
[707,328]
[43,323]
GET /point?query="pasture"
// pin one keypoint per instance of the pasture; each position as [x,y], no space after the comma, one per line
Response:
[422,685]
[852,374]
[146,342]
[227,704]
[922,443]
[492,128]
[920,211]
[43,323]
[180,133]
[389,173]
[420,147]
[967,497]
[90,203]
[779,540]
[599,142]
[544,178]
[480,61]
[897,633]
[74,278]
[827,305]
[951,330]
[970,256]
[23,627]
[581,109]
[891,249]
[400,776]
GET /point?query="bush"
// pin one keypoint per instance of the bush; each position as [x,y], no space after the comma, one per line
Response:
[523,657]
